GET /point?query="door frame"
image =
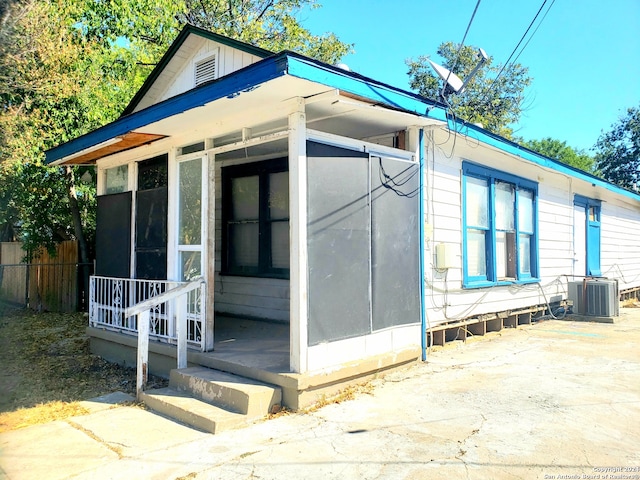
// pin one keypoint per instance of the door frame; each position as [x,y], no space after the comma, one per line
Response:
[592,233]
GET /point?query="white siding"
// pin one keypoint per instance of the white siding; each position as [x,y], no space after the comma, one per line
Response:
[620,242]
[447,300]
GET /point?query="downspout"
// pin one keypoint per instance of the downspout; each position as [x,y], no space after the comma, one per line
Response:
[423,309]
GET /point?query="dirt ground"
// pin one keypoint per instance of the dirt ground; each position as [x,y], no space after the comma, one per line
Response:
[552,400]
[47,367]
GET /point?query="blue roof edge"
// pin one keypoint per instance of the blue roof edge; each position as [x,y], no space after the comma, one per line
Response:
[515,149]
[245,79]
[306,68]
[336,77]
[310,69]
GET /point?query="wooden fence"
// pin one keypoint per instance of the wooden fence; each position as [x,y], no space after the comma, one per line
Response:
[13,276]
[51,283]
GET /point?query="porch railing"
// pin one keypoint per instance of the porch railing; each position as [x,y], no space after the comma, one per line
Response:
[109,299]
[142,312]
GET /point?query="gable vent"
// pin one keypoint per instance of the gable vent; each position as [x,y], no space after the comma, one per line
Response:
[205,70]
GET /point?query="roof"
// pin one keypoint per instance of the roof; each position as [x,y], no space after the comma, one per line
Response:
[133,129]
[111,137]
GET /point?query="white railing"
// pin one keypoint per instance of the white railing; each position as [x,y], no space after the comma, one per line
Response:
[109,299]
[142,312]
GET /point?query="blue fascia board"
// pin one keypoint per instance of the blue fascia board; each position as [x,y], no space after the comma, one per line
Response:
[306,68]
[335,77]
[247,79]
[513,148]
[244,80]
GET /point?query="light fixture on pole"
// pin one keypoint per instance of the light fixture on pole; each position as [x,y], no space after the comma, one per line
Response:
[452,83]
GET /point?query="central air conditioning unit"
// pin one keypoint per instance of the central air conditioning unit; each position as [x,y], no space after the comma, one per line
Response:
[595,297]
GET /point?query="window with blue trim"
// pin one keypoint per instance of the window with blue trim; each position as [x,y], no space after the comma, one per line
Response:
[500,242]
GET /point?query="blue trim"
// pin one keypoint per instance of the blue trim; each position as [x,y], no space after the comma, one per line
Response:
[421,256]
[230,86]
[315,71]
[586,201]
[512,148]
[480,171]
[592,234]
[490,175]
[477,279]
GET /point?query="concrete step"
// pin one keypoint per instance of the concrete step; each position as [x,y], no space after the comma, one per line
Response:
[191,411]
[232,392]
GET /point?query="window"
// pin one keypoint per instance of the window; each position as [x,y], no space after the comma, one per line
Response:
[255,219]
[116,179]
[194,147]
[499,237]
[151,206]
[190,224]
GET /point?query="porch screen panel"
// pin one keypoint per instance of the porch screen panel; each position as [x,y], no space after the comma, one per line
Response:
[151,234]
[394,243]
[113,235]
[338,243]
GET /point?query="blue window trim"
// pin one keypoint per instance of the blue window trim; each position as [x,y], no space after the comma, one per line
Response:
[586,201]
[470,169]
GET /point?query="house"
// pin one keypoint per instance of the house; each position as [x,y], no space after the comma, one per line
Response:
[356,221]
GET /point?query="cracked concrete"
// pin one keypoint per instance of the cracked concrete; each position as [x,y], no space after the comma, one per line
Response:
[546,400]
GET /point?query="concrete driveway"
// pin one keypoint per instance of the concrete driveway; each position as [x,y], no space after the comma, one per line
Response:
[557,399]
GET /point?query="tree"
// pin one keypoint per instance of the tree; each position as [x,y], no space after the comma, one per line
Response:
[559,150]
[53,86]
[67,68]
[618,151]
[494,101]
[270,24]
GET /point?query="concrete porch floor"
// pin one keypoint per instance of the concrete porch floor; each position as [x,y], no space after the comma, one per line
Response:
[251,343]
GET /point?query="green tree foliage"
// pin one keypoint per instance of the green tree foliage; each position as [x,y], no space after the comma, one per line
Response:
[559,150]
[496,104]
[45,99]
[618,151]
[68,67]
[270,24]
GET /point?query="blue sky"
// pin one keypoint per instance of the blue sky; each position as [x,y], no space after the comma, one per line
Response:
[584,57]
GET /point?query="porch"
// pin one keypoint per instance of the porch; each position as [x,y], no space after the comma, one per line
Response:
[254,349]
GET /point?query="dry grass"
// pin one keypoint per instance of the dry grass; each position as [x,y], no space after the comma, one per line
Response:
[44,413]
[631,303]
[47,368]
[348,393]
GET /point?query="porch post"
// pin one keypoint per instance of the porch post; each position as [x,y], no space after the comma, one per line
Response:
[210,248]
[142,371]
[298,315]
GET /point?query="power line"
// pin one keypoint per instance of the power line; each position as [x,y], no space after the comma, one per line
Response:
[495,80]
[460,48]
[534,32]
